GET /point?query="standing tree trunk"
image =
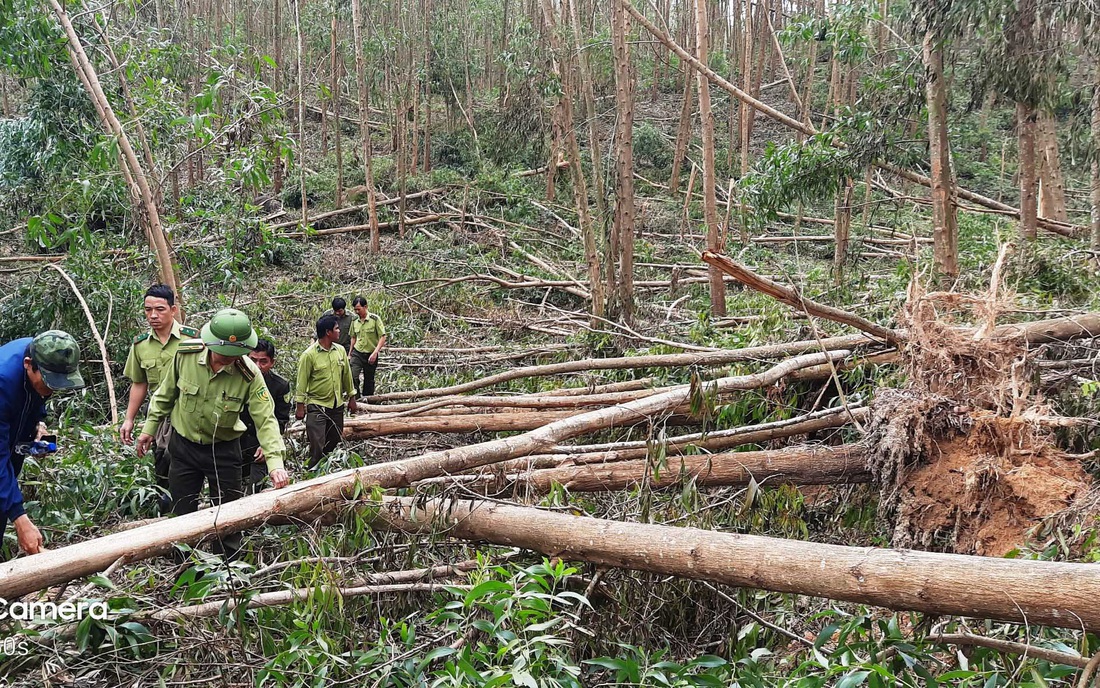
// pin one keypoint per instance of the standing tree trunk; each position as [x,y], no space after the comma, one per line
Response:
[584,84]
[148,207]
[1096,159]
[364,123]
[624,183]
[710,204]
[945,232]
[1025,130]
[842,224]
[1052,200]
[301,110]
[580,188]
[683,134]
[337,66]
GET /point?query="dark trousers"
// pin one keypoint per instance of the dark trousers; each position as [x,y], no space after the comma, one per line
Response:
[361,367]
[219,465]
[252,473]
[325,429]
[161,464]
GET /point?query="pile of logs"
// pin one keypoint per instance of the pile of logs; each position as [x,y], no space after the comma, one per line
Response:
[541,456]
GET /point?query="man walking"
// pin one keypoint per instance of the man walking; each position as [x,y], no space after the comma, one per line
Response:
[344,320]
[253,470]
[31,370]
[323,387]
[150,355]
[368,336]
[209,384]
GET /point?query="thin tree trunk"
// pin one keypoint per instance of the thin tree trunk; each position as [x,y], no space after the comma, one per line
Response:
[584,83]
[710,204]
[148,207]
[624,184]
[842,225]
[1096,159]
[364,124]
[683,134]
[301,110]
[1053,183]
[580,187]
[1025,126]
[945,232]
[337,65]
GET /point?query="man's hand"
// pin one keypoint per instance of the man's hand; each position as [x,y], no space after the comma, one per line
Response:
[373,358]
[280,478]
[143,444]
[30,538]
[260,455]
[352,405]
[126,432]
[300,411]
[41,431]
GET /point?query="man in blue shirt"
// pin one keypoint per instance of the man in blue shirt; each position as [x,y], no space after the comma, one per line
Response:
[30,371]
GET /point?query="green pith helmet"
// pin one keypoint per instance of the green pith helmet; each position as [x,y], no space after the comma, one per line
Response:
[57,356]
[229,333]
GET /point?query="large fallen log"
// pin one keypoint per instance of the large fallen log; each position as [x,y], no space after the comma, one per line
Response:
[705,358]
[27,574]
[815,465]
[1014,590]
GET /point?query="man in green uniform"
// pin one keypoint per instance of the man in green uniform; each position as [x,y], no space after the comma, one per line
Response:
[253,471]
[150,354]
[324,385]
[211,381]
[368,336]
[344,320]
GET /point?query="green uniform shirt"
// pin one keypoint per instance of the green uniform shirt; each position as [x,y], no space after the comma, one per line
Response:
[148,358]
[345,324]
[205,407]
[324,377]
[367,333]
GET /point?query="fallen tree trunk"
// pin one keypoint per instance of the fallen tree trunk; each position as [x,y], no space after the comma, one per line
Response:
[374,584]
[1013,590]
[707,358]
[465,403]
[27,574]
[573,455]
[795,300]
[359,428]
[793,466]
[409,222]
[358,208]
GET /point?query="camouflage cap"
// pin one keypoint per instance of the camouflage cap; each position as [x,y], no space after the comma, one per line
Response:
[57,356]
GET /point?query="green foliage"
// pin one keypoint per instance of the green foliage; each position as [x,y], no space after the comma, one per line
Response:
[652,149]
